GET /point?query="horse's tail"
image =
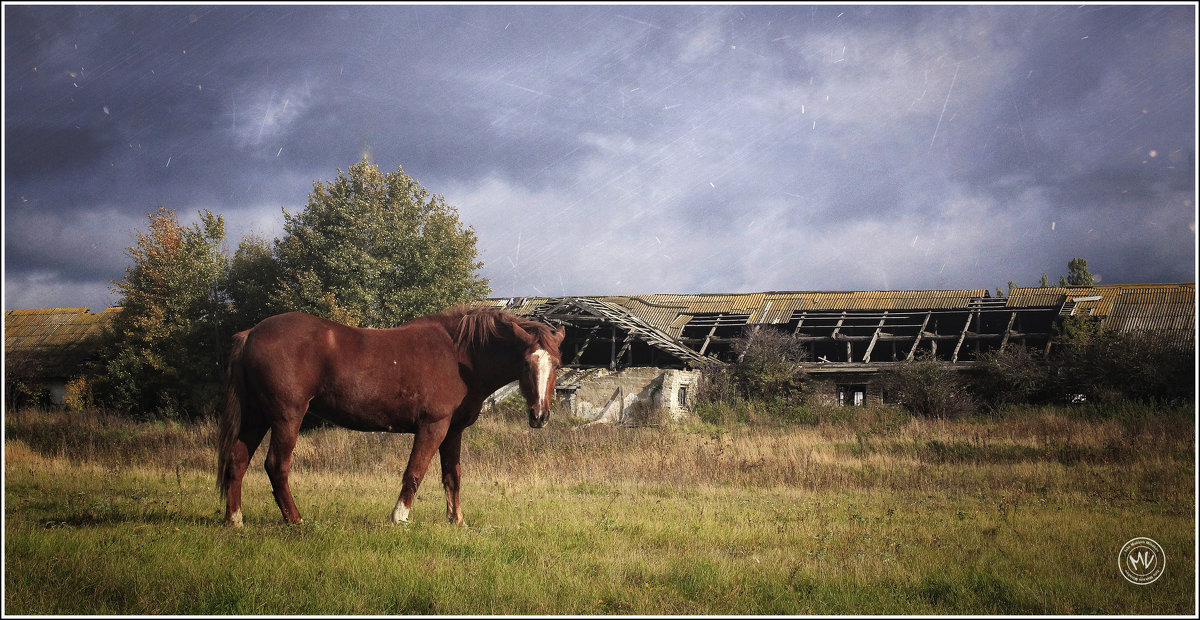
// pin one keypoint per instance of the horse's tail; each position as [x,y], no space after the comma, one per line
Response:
[230,423]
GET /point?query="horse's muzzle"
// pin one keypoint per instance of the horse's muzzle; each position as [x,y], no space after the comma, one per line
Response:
[538,421]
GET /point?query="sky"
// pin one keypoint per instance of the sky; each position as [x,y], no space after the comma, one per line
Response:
[608,149]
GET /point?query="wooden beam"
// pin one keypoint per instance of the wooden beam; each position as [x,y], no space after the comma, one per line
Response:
[742,355]
[799,323]
[708,338]
[962,336]
[612,360]
[834,335]
[628,342]
[875,338]
[838,327]
[586,341]
[920,333]
[1008,330]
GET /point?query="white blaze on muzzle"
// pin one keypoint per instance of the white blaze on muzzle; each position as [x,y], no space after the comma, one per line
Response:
[541,361]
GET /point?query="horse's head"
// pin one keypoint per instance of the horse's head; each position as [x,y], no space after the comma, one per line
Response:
[539,371]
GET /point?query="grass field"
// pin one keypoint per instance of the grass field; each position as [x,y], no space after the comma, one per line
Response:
[868,511]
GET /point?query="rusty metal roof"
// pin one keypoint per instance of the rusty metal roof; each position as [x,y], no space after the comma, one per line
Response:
[59,340]
[1125,307]
[670,313]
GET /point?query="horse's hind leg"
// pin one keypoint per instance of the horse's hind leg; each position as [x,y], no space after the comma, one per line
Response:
[279,464]
[247,441]
[451,474]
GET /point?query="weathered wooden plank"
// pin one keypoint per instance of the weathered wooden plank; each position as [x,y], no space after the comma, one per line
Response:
[1008,330]
[875,338]
[917,340]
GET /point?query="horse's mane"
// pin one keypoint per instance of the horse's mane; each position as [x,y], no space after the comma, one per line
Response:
[478,325]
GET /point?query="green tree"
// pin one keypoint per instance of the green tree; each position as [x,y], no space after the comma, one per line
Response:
[1106,365]
[376,250]
[1077,274]
[253,277]
[165,348]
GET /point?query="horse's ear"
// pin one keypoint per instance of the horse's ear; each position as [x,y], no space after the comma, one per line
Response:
[524,336]
[560,333]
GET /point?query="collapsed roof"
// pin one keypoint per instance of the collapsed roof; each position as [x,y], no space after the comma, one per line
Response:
[846,327]
[840,328]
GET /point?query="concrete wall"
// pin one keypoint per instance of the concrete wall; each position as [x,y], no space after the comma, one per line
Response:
[628,396]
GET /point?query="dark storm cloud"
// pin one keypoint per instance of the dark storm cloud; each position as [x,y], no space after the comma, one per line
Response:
[621,148]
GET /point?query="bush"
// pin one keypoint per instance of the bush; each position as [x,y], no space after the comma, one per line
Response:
[21,386]
[1106,366]
[78,394]
[715,384]
[930,387]
[754,412]
[1010,376]
[765,384]
[768,365]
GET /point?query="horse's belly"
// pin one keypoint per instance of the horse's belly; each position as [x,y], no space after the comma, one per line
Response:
[364,423]
[392,415]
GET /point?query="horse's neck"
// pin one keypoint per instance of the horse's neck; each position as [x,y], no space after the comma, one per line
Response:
[497,365]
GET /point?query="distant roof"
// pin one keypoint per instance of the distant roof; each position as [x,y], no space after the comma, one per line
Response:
[1123,306]
[60,339]
[670,312]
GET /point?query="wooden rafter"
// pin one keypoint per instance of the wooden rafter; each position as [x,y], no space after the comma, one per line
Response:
[962,336]
[920,334]
[875,338]
[1008,330]
[586,341]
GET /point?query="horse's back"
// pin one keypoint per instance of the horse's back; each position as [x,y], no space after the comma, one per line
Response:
[353,376]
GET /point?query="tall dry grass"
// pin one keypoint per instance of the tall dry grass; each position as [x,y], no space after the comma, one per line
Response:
[1032,451]
[868,510]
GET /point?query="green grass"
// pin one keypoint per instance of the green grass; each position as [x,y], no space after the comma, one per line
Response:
[867,514]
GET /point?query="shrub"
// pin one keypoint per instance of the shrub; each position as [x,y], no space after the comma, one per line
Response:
[765,384]
[930,387]
[768,365]
[1010,376]
[1105,365]
[78,394]
[21,386]
[715,384]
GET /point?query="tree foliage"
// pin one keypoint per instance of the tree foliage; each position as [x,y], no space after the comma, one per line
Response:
[930,387]
[376,250]
[166,345]
[368,249]
[767,368]
[1077,274]
[768,364]
[1009,376]
[254,275]
[1106,365]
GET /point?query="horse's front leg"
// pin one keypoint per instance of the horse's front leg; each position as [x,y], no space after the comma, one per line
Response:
[425,443]
[451,474]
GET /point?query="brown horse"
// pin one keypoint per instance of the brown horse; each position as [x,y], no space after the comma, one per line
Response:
[429,377]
